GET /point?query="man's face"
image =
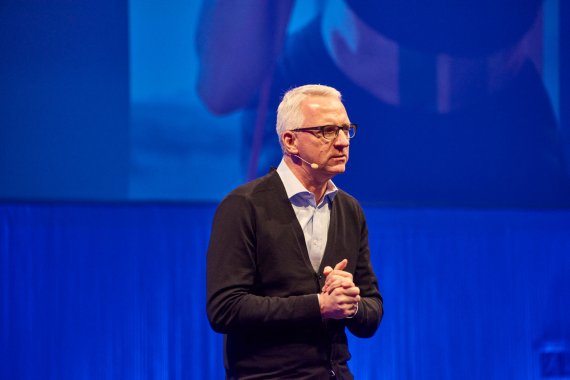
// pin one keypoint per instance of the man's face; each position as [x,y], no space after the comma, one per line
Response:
[330,155]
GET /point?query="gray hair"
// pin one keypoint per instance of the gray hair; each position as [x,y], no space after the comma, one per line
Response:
[289,114]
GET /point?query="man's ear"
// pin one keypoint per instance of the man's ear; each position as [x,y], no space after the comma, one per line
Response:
[289,141]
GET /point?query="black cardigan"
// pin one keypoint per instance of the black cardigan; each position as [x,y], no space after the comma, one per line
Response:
[262,289]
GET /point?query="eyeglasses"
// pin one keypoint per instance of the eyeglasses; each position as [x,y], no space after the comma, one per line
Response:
[330,132]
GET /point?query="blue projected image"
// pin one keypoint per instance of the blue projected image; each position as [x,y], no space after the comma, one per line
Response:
[64,100]
[456,106]
[179,151]
[450,112]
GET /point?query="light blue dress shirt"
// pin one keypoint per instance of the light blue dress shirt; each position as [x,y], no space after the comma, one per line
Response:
[314,219]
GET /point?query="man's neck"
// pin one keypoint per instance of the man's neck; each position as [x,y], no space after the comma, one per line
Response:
[310,178]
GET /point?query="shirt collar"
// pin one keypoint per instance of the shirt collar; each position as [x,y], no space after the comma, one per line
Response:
[295,188]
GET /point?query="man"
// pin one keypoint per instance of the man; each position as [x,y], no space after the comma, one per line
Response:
[271,286]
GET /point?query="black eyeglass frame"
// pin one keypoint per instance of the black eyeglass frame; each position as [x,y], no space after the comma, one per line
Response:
[346,128]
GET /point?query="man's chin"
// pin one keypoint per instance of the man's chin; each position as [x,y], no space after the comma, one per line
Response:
[337,169]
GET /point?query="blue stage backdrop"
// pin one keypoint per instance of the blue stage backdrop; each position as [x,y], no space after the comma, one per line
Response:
[92,291]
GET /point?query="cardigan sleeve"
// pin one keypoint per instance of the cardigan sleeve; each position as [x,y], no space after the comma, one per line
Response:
[230,277]
[370,308]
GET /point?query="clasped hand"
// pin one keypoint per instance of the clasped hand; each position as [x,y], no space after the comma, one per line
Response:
[339,296]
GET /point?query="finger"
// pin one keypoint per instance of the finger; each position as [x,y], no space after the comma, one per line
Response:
[346,302]
[353,309]
[331,285]
[351,292]
[342,279]
[338,277]
[338,273]
[339,282]
[335,276]
[341,265]
[341,296]
[351,306]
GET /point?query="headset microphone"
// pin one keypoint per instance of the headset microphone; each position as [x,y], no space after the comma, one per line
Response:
[312,165]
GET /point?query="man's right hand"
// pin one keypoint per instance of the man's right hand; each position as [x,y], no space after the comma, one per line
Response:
[340,296]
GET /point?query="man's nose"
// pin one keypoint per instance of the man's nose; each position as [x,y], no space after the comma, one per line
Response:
[342,139]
